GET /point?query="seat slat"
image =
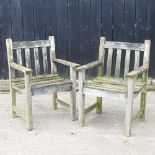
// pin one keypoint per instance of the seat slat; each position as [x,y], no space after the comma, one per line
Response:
[109,61]
[31,44]
[127,62]
[27,57]
[112,84]
[36,59]
[118,62]
[137,55]
[125,46]
[45,63]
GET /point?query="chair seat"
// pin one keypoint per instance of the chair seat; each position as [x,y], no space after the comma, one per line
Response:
[112,84]
[41,81]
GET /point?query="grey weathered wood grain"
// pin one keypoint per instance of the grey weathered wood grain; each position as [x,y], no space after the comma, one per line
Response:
[118,62]
[137,58]
[124,45]
[109,61]
[127,62]
[36,59]
[45,61]
[27,58]
[19,56]
[31,44]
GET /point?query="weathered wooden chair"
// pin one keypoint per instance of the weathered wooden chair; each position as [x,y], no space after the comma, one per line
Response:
[48,82]
[113,85]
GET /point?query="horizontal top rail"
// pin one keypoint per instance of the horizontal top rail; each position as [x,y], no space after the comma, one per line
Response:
[31,44]
[124,45]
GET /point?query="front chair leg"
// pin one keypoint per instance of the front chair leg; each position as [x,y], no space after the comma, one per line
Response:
[142,107]
[81,98]
[54,104]
[13,100]
[28,97]
[129,106]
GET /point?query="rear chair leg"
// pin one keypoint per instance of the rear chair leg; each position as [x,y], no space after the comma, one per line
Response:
[99,105]
[142,107]
[73,104]
[54,104]
[13,98]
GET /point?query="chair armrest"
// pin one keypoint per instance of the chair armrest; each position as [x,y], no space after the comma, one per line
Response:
[20,67]
[89,65]
[137,72]
[67,63]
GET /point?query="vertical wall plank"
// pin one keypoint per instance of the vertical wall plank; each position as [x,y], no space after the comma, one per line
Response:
[129,25]
[118,20]
[5,27]
[84,7]
[74,37]
[95,28]
[107,11]
[51,18]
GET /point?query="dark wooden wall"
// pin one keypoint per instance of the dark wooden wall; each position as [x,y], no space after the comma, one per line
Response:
[77,25]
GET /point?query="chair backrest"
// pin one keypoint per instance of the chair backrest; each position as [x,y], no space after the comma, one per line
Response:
[121,57]
[27,53]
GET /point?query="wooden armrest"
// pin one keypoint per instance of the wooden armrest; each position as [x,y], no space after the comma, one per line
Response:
[137,72]
[67,63]
[89,65]
[20,67]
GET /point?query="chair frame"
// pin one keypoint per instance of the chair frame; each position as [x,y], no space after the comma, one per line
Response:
[131,78]
[28,92]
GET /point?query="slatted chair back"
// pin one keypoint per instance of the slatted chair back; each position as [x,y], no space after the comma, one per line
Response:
[137,51]
[36,47]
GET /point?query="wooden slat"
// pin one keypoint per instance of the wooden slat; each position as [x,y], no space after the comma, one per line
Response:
[109,61]
[36,59]
[45,63]
[137,57]
[118,62]
[127,62]
[124,45]
[19,56]
[31,44]
[27,58]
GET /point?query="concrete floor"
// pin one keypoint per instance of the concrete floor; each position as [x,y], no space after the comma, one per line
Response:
[54,133]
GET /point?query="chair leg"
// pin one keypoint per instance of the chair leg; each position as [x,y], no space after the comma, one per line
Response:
[82,109]
[28,97]
[13,100]
[54,104]
[128,115]
[142,107]
[99,105]
[73,104]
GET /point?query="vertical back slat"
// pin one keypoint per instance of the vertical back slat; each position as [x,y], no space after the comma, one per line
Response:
[118,62]
[146,52]
[109,61]
[36,59]
[27,57]
[45,63]
[137,58]
[52,55]
[127,62]
[19,56]
[101,55]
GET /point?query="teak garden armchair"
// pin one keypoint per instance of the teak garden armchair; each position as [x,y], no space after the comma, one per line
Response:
[117,87]
[39,83]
